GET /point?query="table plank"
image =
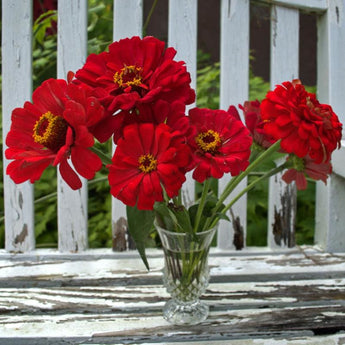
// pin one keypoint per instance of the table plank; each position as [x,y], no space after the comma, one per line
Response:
[294,295]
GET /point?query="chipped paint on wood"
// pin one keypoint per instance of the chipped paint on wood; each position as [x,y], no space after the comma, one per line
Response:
[113,299]
[238,241]
[72,204]
[119,231]
[20,238]
[16,89]
[282,214]
[233,14]
[284,66]
[283,227]
[122,239]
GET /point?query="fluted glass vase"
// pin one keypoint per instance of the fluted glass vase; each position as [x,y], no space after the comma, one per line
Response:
[185,274]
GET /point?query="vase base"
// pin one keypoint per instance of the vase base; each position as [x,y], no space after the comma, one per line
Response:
[179,313]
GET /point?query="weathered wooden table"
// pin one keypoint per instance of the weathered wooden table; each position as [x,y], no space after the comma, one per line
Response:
[257,297]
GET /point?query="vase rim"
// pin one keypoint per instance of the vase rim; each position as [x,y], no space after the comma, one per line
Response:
[158,227]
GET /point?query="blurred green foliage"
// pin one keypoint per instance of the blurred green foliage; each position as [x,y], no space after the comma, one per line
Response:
[99,37]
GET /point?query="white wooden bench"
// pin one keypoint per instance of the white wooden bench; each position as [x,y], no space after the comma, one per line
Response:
[271,295]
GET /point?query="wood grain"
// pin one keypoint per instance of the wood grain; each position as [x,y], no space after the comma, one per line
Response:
[16,89]
[71,49]
[114,300]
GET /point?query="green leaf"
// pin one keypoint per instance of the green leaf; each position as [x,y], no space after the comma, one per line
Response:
[208,211]
[140,224]
[165,218]
[183,220]
[173,217]
[42,24]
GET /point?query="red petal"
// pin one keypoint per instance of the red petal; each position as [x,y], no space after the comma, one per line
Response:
[50,96]
[69,175]
[27,169]
[86,163]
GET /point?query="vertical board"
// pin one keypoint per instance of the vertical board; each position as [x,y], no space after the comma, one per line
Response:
[72,47]
[128,18]
[182,35]
[284,67]
[330,215]
[128,22]
[234,63]
[16,89]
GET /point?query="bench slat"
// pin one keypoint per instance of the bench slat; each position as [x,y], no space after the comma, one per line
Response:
[234,85]
[72,47]
[182,36]
[310,5]
[128,22]
[330,215]
[284,66]
[117,301]
[16,89]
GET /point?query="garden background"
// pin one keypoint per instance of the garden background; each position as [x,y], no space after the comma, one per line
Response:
[155,19]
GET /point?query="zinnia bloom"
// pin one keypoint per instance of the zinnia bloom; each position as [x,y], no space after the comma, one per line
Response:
[253,120]
[305,126]
[136,71]
[172,114]
[50,131]
[306,167]
[147,159]
[221,143]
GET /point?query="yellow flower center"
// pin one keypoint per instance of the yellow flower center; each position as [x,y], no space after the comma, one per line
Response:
[208,141]
[147,163]
[50,131]
[128,76]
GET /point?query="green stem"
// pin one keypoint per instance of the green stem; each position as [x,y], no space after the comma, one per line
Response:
[254,154]
[104,157]
[54,194]
[178,199]
[46,197]
[234,182]
[250,187]
[205,189]
[147,21]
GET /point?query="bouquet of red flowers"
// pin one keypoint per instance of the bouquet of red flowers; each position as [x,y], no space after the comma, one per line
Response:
[136,93]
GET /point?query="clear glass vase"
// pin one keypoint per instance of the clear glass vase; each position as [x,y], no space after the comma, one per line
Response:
[185,274]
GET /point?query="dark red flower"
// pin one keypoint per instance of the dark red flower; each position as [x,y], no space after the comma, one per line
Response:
[253,120]
[136,71]
[305,126]
[172,114]
[42,6]
[147,159]
[221,143]
[306,167]
[50,131]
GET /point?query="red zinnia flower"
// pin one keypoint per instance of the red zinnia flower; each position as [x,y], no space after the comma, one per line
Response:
[147,159]
[136,71]
[52,129]
[303,167]
[305,126]
[252,115]
[221,144]
[172,114]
